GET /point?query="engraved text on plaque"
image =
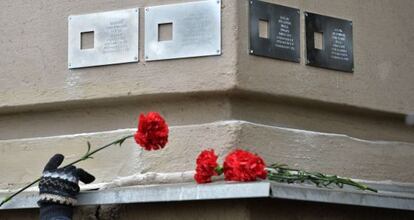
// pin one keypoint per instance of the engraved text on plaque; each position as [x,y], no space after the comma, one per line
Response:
[115,38]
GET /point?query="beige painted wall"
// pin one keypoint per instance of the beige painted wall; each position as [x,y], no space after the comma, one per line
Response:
[34,59]
[383,53]
[347,124]
[199,109]
[112,115]
[38,91]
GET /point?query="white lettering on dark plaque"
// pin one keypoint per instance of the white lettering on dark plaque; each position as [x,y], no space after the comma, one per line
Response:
[284,37]
[116,39]
[338,49]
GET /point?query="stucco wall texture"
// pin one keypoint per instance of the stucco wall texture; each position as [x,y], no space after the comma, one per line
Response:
[37,89]
[34,58]
[308,117]
[383,54]
[315,151]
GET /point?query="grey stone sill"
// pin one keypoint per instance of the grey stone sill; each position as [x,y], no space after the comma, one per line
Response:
[390,196]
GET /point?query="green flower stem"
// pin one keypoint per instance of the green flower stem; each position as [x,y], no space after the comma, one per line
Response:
[219,170]
[87,155]
[282,173]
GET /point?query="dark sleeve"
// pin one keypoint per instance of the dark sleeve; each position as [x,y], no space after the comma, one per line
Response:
[55,212]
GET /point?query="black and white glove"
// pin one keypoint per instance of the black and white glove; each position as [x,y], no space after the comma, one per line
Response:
[58,189]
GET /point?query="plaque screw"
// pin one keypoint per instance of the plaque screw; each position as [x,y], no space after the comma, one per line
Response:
[147,9]
[251,51]
[135,58]
[251,2]
[146,57]
[306,14]
[218,51]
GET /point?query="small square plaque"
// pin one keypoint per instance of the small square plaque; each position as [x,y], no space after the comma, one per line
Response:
[329,42]
[183,30]
[274,31]
[103,38]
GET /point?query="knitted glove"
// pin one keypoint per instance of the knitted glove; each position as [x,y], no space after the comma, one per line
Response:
[59,187]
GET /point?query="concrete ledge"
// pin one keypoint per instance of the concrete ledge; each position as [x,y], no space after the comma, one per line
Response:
[156,193]
[383,199]
[386,198]
[185,143]
[330,153]
[314,151]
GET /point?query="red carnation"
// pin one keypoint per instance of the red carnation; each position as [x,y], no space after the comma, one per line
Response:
[244,166]
[152,133]
[206,166]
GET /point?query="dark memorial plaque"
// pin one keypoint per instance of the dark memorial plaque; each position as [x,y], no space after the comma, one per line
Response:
[336,50]
[280,34]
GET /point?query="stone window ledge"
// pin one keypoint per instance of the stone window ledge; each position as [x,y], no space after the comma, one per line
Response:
[390,196]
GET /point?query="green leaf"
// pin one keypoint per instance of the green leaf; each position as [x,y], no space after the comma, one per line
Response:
[89,147]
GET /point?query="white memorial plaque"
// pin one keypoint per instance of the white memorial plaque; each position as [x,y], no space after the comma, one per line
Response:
[113,38]
[195,30]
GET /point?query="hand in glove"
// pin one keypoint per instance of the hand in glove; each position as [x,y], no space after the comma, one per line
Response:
[58,189]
